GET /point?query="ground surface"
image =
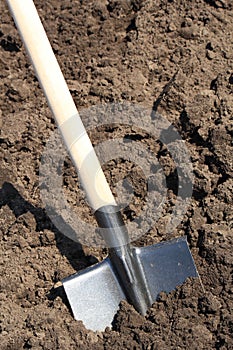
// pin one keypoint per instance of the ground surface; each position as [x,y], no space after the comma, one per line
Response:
[117,51]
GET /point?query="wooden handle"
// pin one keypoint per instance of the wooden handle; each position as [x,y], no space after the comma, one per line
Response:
[61,103]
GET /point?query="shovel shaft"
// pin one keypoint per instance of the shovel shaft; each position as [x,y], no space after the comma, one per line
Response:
[61,103]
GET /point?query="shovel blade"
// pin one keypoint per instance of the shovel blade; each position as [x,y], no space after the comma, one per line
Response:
[94,294]
[166,265]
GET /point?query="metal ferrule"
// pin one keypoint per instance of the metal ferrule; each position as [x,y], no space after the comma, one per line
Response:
[123,258]
[111,226]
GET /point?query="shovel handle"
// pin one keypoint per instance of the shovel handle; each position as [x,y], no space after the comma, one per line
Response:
[61,103]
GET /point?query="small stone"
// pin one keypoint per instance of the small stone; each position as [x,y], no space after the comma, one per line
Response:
[188,22]
[189,32]
[57,284]
[172,27]
[210,54]
[205,32]
[103,82]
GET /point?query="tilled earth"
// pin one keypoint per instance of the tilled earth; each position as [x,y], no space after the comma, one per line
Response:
[175,58]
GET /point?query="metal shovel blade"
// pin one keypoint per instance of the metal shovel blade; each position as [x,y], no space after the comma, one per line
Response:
[94,294]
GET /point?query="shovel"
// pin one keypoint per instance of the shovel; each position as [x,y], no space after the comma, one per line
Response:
[137,275]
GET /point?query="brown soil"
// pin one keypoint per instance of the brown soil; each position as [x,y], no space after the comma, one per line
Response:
[119,51]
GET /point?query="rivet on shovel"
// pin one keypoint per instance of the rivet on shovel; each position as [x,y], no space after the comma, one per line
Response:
[135,274]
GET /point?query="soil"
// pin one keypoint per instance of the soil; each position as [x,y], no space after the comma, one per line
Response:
[174,57]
